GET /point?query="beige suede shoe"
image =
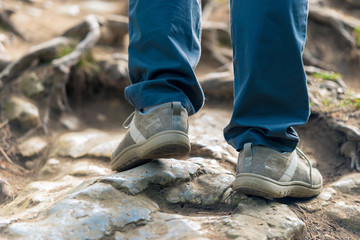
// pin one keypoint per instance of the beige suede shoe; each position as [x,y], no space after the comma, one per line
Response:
[160,133]
[267,173]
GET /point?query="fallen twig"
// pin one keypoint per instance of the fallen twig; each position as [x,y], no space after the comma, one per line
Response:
[5,155]
[4,123]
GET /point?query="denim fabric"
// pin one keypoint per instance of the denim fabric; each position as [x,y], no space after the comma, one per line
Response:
[164,49]
[270,92]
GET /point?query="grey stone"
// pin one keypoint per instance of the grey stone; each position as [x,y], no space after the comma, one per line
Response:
[104,149]
[99,6]
[22,112]
[156,172]
[348,215]
[51,168]
[32,146]
[34,12]
[232,198]
[6,193]
[90,142]
[165,226]
[209,166]
[349,184]
[86,169]
[72,10]
[89,213]
[218,85]
[284,224]
[205,190]
[70,122]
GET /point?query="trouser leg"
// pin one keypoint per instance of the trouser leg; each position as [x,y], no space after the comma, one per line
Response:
[164,49]
[270,92]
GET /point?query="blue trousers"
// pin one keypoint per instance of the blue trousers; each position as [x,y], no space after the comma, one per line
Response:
[270,92]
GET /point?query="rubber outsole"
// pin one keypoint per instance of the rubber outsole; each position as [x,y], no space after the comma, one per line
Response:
[166,144]
[257,185]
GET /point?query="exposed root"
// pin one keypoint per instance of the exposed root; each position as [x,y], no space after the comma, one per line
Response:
[43,52]
[343,26]
[63,65]
[5,155]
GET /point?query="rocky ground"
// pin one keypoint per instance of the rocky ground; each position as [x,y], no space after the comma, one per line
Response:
[62,108]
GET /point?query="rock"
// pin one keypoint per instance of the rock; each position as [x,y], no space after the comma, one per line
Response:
[70,10]
[22,112]
[89,142]
[104,149]
[71,122]
[282,222]
[34,12]
[218,85]
[327,195]
[347,215]
[85,169]
[37,197]
[32,147]
[88,213]
[100,6]
[165,226]
[210,166]
[51,168]
[6,193]
[32,86]
[205,190]
[156,172]
[349,184]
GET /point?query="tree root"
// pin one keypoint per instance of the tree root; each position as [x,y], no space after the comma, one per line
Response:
[43,52]
[342,26]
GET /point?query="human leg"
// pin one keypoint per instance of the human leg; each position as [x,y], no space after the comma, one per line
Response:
[270,83]
[163,52]
[164,49]
[270,96]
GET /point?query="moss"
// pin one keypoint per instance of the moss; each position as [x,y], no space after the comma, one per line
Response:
[357,32]
[65,50]
[333,76]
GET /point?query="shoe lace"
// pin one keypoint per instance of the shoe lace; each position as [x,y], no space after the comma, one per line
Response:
[303,156]
[127,121]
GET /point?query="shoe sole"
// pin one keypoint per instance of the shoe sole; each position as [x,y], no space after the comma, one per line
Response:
[166,144]
[257,185]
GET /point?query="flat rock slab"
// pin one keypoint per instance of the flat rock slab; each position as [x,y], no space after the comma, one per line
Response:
[158,172]
[32,146]
[90,213]
[86,143]
[205,190]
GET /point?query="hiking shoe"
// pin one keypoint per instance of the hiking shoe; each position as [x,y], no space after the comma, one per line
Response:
[160,133]
[264,172]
